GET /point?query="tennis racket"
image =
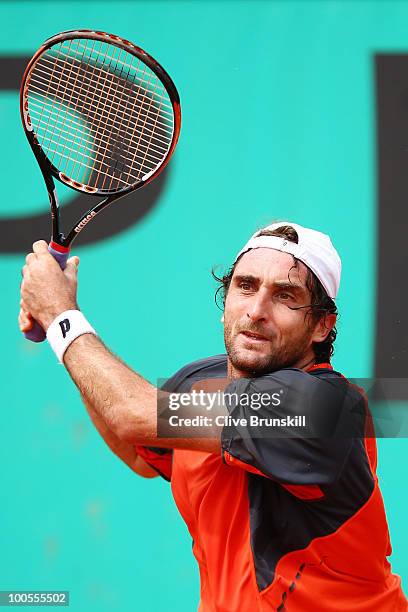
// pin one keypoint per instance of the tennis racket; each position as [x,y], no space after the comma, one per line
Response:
[101,116]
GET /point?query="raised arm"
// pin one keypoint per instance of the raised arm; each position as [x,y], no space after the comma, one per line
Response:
[123,400]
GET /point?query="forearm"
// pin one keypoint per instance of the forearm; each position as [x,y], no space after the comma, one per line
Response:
[125,451]
[120,397]
[124,400]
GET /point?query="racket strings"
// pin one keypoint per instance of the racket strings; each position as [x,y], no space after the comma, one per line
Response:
[119,64]
[57,118]
[101,118]
[112,146]
[107,149]
[74,55]
[105,79]
[145,157]
[114,150]
[161,131]
[86,154]
[71,137]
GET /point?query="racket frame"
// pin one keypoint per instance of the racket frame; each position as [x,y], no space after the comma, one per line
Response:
[59,241]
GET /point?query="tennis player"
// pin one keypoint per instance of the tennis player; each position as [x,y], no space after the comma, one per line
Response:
[276,479]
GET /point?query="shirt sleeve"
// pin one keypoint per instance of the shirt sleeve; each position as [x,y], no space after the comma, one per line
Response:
[292,426]
[160,459]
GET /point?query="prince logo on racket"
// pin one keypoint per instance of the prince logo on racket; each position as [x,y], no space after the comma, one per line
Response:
[279,522]
[85,221]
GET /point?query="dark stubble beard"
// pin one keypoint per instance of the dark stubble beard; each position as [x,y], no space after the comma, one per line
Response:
[284,357]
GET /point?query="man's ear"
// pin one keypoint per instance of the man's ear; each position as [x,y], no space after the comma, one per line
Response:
[323,327]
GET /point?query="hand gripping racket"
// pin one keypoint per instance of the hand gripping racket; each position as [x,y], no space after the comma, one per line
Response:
[101,116]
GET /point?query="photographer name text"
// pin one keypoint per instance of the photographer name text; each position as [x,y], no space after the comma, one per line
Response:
[228,420]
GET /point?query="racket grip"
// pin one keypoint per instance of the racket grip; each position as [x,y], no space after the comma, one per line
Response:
[60,256]
[36,333]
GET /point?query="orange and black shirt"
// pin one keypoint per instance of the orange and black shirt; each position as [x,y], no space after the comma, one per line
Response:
[286,522]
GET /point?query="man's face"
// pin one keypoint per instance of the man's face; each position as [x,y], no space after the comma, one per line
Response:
[261,332]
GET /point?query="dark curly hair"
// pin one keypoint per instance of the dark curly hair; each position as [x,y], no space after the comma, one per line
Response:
[321,304]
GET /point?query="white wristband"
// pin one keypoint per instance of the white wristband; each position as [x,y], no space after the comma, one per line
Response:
[65,329]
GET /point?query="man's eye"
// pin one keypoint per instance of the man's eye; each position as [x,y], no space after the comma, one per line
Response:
[285,296]
[245,286]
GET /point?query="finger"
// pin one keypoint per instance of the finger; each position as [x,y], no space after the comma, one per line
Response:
[30,257]
[26,326]
[40,246]
[21,322]
[23,290]
[22,317]
[25,313]
[74,260]
[24,271]
[24,307]
[71,270]
[25,322]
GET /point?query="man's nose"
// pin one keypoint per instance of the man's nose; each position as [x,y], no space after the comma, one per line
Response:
[259,307]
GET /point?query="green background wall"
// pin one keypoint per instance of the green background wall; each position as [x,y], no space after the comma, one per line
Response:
[278,122]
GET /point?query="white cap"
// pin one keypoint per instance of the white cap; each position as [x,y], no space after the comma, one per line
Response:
[314,249]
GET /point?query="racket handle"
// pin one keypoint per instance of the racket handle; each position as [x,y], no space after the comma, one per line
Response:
[36,333]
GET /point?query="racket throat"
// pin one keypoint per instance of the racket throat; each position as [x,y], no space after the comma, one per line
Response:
[59,240]
[57,236]
[89,216]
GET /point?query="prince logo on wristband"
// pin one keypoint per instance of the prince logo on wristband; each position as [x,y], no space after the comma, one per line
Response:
[65,327]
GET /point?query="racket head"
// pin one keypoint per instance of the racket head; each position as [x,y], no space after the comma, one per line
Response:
[101,115]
